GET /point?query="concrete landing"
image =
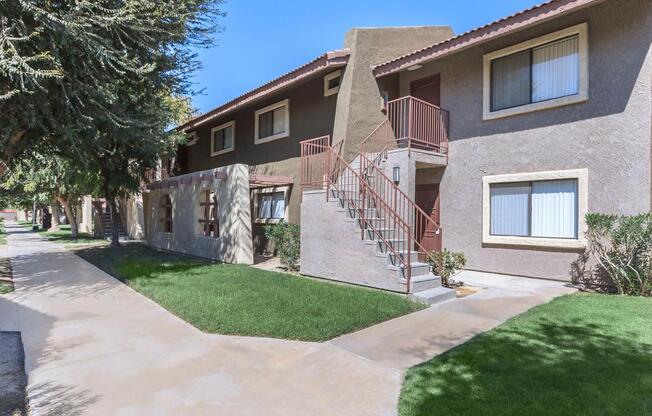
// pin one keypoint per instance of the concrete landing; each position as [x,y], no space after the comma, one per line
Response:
[412,339]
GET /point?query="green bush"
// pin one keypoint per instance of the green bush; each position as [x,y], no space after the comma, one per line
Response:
[287,241]
[446,263]
[622,247]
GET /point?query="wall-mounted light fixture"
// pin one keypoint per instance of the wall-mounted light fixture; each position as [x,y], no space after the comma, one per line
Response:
[396,174]
[415,67]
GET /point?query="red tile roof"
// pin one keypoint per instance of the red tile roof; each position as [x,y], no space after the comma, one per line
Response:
[501,27]
[331,59]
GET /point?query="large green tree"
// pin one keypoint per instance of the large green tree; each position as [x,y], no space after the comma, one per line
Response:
[67,67]
[98,79]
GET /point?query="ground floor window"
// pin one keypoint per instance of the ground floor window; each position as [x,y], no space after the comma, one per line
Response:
[166,214]
[535,209]
[271,205]
[208,218]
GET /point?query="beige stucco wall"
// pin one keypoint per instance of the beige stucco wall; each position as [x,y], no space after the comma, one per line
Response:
[359,100]
[234,244]
[609,135]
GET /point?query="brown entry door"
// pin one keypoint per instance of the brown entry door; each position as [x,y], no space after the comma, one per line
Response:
[427,198]
[427,89]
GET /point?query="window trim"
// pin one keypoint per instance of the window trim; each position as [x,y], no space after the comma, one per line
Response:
[581,175]
[192,138]
[327,78]
[218,128]
[272,107]
[583,94]
[270,190]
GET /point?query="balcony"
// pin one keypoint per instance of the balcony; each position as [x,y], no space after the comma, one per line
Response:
[418,124]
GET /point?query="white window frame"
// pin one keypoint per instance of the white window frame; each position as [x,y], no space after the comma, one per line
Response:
[277,136]
[328,78]
[581,175]
[583,94]
[218,128]
[192,138]
[286,197]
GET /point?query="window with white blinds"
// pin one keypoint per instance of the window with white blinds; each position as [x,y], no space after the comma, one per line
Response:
[546,209]
[538,74]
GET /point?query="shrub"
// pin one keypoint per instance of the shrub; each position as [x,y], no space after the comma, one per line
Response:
[286,240]
[622,247]
[446,263]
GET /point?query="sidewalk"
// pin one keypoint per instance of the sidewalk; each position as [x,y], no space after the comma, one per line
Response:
[94,346]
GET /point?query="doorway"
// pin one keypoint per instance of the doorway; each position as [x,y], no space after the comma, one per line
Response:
[427,198]
[427,89]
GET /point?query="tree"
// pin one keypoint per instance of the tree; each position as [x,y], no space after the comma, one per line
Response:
[56,57]
[45,176]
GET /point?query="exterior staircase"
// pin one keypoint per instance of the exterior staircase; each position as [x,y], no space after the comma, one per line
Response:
[107,226]
[383,216]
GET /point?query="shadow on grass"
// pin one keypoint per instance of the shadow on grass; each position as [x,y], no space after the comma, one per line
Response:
[138,259]
[542,368]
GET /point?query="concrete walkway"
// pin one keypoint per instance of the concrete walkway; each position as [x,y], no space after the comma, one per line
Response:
[409,340]
[93,346]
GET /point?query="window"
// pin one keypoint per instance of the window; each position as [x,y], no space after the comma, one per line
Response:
[332,83]
[166,214]
[191,138]
[541,73]
[272,122]
[544,209]
[271,206]
[535,209]
[222,138]
[209,225]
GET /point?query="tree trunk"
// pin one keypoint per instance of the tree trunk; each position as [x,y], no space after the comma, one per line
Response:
[74,231]
[54,210]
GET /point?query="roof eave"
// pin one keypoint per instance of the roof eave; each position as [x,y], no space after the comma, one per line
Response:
[333,59]
[503,27]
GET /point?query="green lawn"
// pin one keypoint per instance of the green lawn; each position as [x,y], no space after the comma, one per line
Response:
[3,233]
[6,283]
[242,300]
[64,236]
[584,354]
[26,224]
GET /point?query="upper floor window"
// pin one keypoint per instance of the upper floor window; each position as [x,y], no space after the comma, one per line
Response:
[272,122]
[545,72]
[332,83]
[222,138]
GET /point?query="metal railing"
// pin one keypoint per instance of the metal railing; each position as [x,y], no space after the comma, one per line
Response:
[322,167]
[401,205]
[418,124]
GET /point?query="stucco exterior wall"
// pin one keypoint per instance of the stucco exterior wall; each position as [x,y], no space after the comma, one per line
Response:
[134,218]
[609,135]
[331,247]
[234,244]
[359,100]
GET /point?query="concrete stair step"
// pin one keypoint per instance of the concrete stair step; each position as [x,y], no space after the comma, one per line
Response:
[418,269]
[419,283]
[434,295]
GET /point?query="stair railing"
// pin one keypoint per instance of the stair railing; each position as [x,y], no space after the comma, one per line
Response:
[400,203]
[357,197]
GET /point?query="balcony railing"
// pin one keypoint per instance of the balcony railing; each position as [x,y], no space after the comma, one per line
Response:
[418,124]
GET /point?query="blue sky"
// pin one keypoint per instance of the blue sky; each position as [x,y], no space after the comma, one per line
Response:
[264,39]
